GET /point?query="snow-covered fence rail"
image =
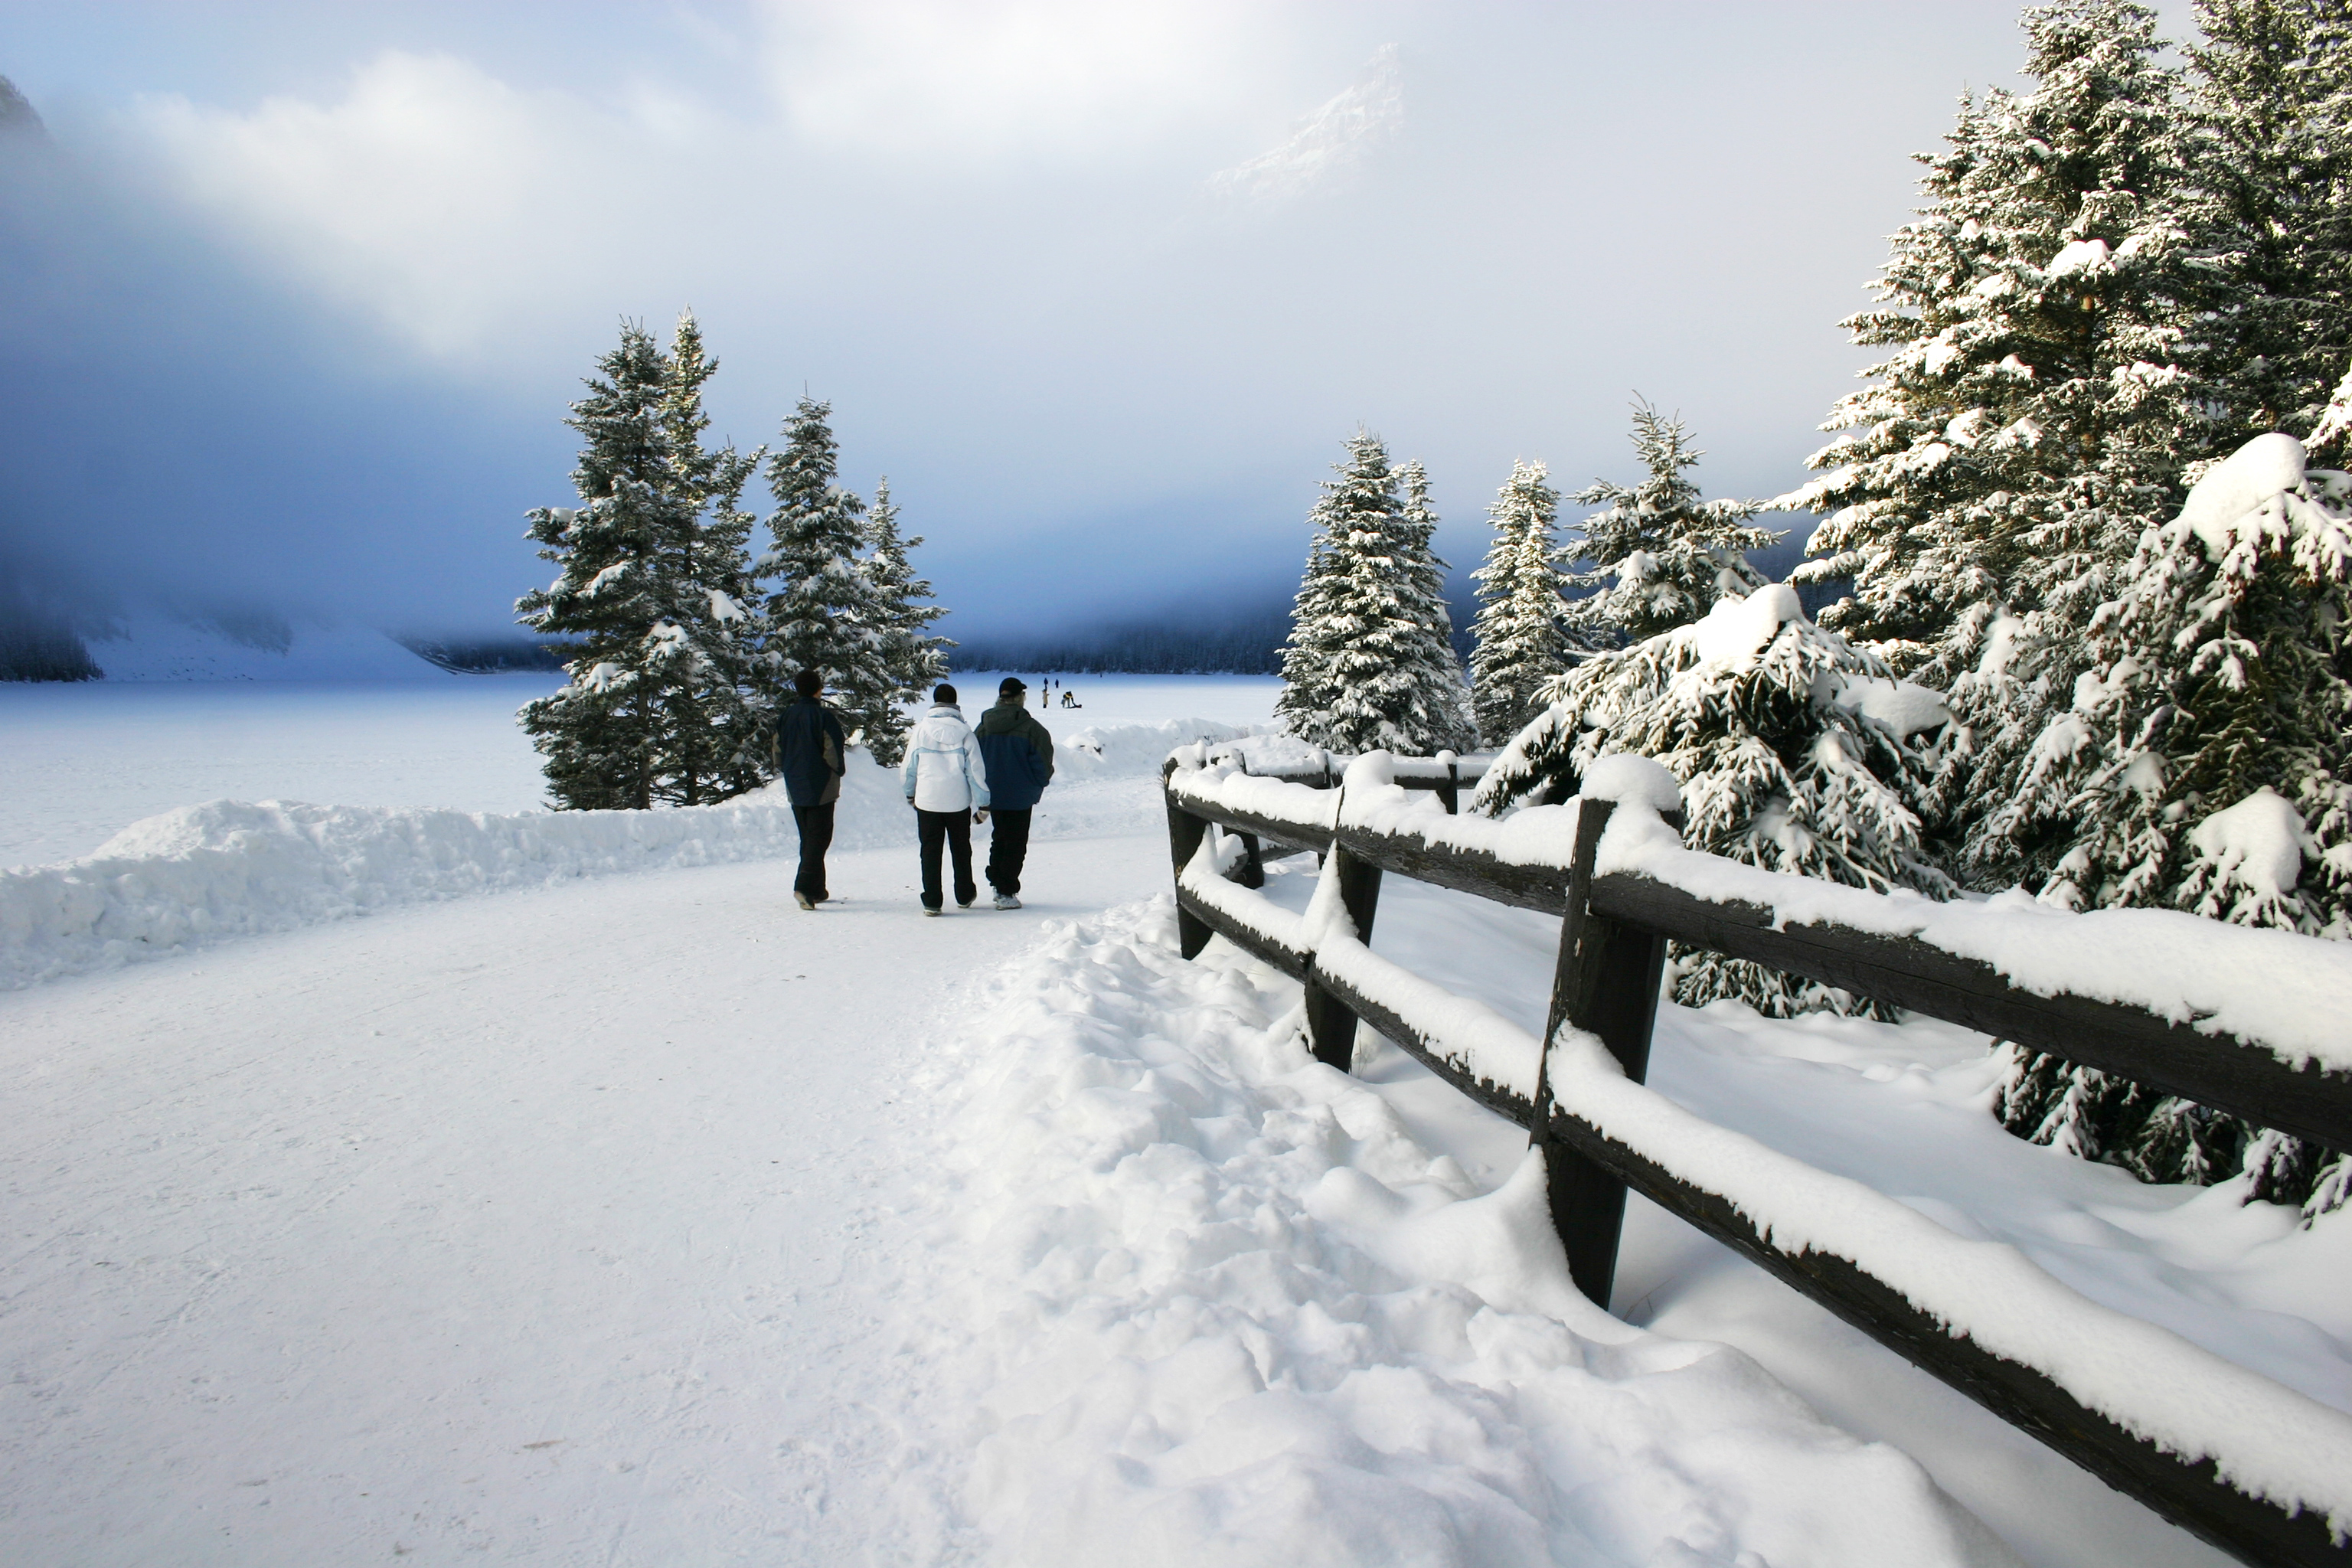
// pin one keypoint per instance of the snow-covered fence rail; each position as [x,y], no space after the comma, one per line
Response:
[2249,1021]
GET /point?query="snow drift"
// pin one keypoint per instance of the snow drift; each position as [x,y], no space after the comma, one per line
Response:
[1219,1305]
[229,869]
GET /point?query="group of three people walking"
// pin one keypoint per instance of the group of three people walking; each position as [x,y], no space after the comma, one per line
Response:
[954,775]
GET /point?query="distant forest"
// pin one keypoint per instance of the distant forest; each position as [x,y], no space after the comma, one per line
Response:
[1245,643]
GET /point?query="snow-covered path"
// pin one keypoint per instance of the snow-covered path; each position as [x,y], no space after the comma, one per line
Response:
[548,1227]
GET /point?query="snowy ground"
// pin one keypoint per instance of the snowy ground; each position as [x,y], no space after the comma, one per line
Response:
[642,1218]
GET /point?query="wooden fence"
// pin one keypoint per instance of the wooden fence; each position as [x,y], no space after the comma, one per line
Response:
[1613,934]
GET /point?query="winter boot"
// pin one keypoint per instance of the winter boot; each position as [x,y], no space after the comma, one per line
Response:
[1007,902]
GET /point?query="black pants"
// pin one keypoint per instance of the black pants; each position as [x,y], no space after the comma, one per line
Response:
[953,829]
[816,823]
[1008,846]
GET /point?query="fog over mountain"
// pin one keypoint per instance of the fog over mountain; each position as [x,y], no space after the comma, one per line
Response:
[291,302]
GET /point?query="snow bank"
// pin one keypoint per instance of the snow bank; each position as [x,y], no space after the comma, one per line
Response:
[228,869]
[231,868]
[1133,751]
[1223,1308]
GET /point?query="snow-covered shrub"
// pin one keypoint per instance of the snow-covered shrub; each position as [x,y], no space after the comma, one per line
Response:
[2202,766]
[1370,663]
[1797,752]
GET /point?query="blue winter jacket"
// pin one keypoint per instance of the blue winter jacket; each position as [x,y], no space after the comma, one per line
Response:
[812,752]
[1020,756]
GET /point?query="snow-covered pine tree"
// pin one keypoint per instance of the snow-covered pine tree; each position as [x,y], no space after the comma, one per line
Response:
[2271,100]
[1797,751]
[2032,416]
[2202,766]
[914,659]
[1370,664]
[1659,557]
[714,746]
[624,598]
[1518,648]
[825,611]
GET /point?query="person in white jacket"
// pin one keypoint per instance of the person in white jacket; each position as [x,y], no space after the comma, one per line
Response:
[947,784]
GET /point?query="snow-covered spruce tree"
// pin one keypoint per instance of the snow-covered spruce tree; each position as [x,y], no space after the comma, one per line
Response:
[637,621]
[715,726]
[2032,416]
[2202,766]
[825,611]
[1370,664]
[1658,557]
[915,661]
[1518,648]
[1797,751]
[2271,98]
[2035,414]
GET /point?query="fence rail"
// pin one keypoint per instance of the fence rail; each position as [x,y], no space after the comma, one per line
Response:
[1614,931]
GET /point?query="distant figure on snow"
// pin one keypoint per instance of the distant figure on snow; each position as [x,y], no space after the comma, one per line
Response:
[947,784]
[812,753]
[1020,756]
[1070,698]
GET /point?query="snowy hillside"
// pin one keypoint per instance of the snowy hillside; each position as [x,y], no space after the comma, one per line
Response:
[157,648]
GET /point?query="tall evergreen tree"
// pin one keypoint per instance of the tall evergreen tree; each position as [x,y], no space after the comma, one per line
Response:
[1518,648]
[2032,416]
[2204,762]
[1797,751]
[913,659]
[1370,663]
[825,611]
[2271,104]
[714,722]
[1660,557]
[629,599]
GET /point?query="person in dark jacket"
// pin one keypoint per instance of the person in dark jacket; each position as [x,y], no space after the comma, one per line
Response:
[812,753]
[1020,757]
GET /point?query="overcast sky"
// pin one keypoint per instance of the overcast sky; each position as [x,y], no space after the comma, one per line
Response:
[297,293]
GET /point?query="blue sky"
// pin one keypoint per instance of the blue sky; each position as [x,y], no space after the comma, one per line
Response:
[298,296]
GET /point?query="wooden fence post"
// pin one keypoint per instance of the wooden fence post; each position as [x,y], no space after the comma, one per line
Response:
[1253,861]
[1330,1026]
[1606,983]
[1450,791]
[1184,834]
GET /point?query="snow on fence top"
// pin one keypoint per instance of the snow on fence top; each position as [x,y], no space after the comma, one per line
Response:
[2290,994]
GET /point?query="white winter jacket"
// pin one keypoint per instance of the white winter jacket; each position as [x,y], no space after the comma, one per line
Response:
[943,770]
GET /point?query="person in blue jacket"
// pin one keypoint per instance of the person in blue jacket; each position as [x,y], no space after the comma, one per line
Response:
[1020,756]
[812,753]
